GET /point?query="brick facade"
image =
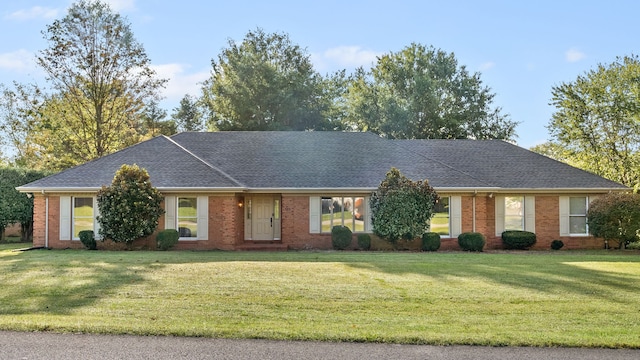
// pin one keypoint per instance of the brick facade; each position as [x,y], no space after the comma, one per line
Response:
[226,225]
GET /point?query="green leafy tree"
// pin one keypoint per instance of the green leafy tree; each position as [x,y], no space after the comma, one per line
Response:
[16,207]
[154,122]
[101,78]
[188,116]
[130,207]
[402,208]
[266,83]
[421,93]
[615,217]
[597,120]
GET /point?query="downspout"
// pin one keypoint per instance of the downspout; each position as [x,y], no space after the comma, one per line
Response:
[46,221]
[475,192]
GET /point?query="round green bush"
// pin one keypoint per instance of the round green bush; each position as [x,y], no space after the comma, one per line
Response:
[430,241]
[518,239]
[471,241]
[166,239]
[557,244]
[87,239]
[364,241]
[340,237]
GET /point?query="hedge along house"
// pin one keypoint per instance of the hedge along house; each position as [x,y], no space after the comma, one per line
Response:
[243,190]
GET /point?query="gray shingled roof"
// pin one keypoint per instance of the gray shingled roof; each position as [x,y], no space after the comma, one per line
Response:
[169,165]
[325,160]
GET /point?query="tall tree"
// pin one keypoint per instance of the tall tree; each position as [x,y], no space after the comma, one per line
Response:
[154,122]
[102,79]
[264,83]
[188,116]
[16,207]
[421,93]
[597,120]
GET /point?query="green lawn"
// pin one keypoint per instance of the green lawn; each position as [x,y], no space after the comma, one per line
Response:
[562,298]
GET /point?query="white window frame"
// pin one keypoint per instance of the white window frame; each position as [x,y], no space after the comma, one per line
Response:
[67,217]
[171,203]
[565,214]
[315,213]
[448,234]
[529,212]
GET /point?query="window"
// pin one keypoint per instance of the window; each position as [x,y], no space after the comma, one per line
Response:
[82,215]
[341,210]
[188,217]
[514,213]
[578,215]
[440,222]
[187,214]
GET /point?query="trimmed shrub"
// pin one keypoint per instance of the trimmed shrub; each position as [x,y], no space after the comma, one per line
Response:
[518,239]
[87,239]
[557,244]
[364,241]
[634,246]
[430,241]
[471,241]
[340,237]
[166,239]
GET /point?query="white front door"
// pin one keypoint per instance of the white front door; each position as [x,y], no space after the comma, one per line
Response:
[263,218]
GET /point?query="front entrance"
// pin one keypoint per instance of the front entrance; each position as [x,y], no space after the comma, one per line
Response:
[263,217]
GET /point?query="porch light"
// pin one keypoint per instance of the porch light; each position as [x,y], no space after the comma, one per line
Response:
[240,204]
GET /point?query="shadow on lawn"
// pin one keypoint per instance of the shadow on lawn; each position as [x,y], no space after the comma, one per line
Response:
[556,274]
[56,284]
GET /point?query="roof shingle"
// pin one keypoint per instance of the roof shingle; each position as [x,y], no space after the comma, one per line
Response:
[325,160]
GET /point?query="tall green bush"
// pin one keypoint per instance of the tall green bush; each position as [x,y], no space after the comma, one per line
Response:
[340,237]
[518,239]
[615,217]
[402,208]
[130,207]
[166,239]
[471,241]
[431,241]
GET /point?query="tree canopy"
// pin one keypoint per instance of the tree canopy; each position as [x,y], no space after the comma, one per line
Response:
[615,217]
[99,79]
[188,116]
[597,120]
[402,208]
[16,207]
[421,93]
[266,83]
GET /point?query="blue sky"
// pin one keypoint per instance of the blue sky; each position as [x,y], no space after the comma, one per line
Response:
[521,48]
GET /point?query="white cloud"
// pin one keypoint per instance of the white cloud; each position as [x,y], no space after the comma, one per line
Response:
[180,83]
[574,55]
[36,12]
[344,56]
[488,65]
[20,60]
[122,5]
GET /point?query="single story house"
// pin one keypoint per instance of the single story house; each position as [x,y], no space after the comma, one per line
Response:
[243,190]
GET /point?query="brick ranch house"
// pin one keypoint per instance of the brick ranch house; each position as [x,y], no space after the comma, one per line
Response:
[285,190]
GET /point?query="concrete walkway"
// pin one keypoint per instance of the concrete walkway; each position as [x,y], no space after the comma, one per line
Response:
[31,346]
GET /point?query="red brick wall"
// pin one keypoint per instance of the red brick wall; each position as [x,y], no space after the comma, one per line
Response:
[226,225]
[295,225]
[39,213]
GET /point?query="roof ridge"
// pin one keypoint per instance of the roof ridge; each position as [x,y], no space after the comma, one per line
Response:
[215,168]
[436,160]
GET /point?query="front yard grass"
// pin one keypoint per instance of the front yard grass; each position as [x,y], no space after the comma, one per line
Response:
[585,299]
